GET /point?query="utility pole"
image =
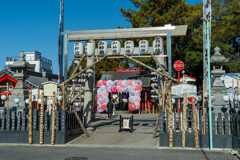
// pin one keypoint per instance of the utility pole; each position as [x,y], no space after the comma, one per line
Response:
[206,15]
[60,44]
[206,60]
[209,88]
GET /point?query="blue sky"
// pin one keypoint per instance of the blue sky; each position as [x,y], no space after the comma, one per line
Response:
[28,25]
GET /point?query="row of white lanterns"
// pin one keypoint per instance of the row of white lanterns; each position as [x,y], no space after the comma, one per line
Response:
[157,47]
[231,97]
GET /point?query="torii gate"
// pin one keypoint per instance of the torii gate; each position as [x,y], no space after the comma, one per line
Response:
[112,34]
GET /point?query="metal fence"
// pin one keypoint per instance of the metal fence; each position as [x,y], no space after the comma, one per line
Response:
[225,129]
[14,126]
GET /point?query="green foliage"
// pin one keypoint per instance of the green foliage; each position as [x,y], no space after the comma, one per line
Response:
[225,28]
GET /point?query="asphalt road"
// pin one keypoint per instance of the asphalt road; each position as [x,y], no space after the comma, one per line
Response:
[27,152]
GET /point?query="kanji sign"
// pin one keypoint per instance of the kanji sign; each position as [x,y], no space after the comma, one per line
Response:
[179,90]
[178,65]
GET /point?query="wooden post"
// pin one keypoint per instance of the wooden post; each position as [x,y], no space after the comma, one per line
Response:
[184,119]
[63,91]
[7,96]
[30,116]
[41,118]
[203,108]
[195,124]
[53,119]
[37,97]
[80,122]
[153,109]
[233,95]
[170,117]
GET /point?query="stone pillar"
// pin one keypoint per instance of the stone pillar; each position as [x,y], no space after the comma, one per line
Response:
[88,94]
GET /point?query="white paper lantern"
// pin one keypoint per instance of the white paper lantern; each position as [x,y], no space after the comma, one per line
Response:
[115,47]
[39,101]
[89,49]
[77,89]
[173,100]
[78,49]
[4,97]
[76,104]
[102,47]
[17,100]
[129,47]
[235,97]
[27,101]
[157,45]
[59,98]
[226,98]
[143,47]
[50,101]
[75,63]
[153,73]
[238,98]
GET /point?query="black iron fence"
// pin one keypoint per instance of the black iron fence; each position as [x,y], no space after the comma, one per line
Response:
[225,130]
[14,126]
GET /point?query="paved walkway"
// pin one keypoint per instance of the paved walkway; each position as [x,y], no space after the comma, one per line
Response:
[107,133]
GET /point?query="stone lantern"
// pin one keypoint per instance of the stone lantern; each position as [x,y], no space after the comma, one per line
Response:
[218,90]
[218,60]
[20,92]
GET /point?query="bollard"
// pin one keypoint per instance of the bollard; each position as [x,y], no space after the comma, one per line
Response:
[41,118]
[53,119]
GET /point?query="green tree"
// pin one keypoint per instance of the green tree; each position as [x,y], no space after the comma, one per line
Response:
[225,17]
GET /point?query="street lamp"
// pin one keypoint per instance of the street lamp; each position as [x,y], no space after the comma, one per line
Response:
[39,101]
[59,98]
[27,101]
[50,101]
[173,100]
[4,97]
[17,101]
[226,98]
[183,72]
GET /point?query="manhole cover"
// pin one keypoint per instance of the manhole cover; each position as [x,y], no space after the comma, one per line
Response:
[76,158]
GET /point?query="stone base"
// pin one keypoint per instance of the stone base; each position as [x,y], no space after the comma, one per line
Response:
[219,105]
[90,129]
[22,95]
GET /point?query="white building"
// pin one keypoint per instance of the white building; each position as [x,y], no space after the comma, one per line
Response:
[41,64]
